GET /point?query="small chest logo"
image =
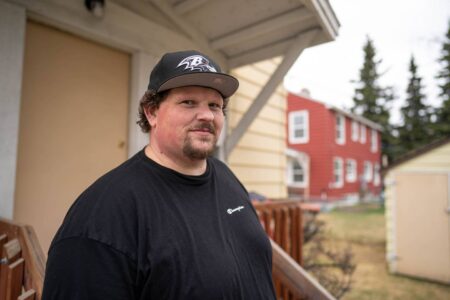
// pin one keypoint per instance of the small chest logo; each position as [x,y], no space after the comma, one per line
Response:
[232,210]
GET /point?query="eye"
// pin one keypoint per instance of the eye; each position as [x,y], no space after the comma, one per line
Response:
[188,102]
[215,106]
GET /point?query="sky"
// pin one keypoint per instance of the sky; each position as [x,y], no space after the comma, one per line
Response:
[398,29]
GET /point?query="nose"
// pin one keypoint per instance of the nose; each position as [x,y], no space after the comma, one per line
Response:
[205,114]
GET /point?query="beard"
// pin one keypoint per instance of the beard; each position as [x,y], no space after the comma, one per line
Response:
[208,145]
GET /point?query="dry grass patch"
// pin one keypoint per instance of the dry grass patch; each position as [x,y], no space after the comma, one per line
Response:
[363,227]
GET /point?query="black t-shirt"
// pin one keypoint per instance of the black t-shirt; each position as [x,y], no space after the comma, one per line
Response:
[143,231]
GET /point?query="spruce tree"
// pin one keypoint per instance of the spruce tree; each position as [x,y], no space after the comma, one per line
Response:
[443,112]
[416,129]
[371,100]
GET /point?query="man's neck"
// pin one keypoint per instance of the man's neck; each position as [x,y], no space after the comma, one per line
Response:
[184,166]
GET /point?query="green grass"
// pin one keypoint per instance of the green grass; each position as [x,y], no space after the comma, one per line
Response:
[363,227]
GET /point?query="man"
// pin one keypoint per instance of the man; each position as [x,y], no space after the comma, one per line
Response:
[171,222]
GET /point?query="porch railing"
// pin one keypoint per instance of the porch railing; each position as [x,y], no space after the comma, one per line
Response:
[282,221]
[22,262]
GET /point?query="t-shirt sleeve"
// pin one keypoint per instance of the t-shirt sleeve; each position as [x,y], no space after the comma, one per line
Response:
[82,268]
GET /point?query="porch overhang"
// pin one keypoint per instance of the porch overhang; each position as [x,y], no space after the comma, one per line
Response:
[241,32]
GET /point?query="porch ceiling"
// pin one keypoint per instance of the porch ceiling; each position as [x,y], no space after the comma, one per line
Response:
[240,32]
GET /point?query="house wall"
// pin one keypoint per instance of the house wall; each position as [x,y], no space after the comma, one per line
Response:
[417,218]
[360,152]
[11,53]
[322,148]
[259,160]
[318,148]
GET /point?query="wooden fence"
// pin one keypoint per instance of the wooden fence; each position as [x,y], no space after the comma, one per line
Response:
[282,221]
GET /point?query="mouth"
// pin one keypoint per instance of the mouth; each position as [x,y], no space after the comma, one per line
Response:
[204,129]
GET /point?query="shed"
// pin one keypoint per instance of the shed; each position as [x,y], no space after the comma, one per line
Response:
[418,213]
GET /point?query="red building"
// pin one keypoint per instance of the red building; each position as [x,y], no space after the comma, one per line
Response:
[332,154]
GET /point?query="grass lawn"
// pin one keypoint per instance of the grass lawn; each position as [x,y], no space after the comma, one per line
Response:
[364,228]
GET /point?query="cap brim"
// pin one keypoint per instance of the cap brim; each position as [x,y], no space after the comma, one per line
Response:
[223,83]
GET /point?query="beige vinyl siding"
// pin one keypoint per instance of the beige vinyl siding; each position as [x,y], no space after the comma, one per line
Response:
[259,160]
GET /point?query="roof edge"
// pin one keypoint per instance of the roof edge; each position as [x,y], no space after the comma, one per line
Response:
[326,15]
[353,116]
[417,152]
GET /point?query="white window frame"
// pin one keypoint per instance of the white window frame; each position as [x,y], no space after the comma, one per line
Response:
[340,129]
[362,136]
[338,172]
[351,170]
[367,171]
[293,127]
[376,174]
[355,130]
[374,141]
[291,174]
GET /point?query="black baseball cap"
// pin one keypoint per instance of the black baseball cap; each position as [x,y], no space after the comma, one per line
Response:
[188,68]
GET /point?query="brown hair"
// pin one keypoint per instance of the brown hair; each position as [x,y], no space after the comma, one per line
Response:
[150,99]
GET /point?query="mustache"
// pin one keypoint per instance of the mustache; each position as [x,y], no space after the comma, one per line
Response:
[205,126]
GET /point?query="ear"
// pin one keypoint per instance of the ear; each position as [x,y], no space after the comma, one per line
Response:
[151,115]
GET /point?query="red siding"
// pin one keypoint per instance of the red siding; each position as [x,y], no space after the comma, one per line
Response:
[322,148]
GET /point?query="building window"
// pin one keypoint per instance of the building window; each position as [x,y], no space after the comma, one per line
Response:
[367,171]
[376,174]
[362,136]
[374,141]
[340,129]
[355,131]
[299,127]
[350,170]
[297,175]
[338,172]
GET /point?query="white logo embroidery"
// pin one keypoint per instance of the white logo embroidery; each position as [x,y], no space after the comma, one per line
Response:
[230,211]
[197,62]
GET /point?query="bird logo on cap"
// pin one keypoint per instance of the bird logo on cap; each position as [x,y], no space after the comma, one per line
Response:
[197,62]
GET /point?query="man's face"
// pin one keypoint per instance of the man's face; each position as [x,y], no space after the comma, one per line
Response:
[187,123]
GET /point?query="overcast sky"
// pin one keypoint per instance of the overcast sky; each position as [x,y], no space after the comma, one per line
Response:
[398,28]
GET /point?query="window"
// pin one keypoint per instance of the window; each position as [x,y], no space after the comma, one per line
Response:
[367,171]
[362,136]
[299,127]
[297,175]
[338,172]
[355,131]
[350,170]
[376,174]
[374,141]
[340,129]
